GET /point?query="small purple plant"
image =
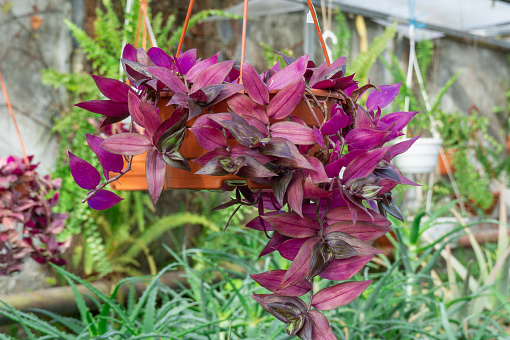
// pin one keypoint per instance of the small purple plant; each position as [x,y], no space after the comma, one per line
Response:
[329,182]
[28,225]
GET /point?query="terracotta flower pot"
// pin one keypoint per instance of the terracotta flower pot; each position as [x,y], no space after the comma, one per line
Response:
[181,179]
[449,157]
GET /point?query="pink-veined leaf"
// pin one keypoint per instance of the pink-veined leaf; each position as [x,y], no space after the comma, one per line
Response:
[214,74]
[299,268]
[321,330]
[256,89]
[168,78]
[294,132]
[288,74]
[272,279]
[209,138]
[107,108]
[155,169]
[112,88]
[151,119]
[295,194]
[384,97]
[338,295]
[364,164]
[84,174]
[344,269]
[127,144]
[284,102]
[292,225]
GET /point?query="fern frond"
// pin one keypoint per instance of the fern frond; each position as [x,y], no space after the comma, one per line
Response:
[442,92]
[343,35]
[424,52]
[362,64]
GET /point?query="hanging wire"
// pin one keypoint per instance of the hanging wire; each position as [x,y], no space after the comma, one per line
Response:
[9,106]
[185,27]
[319,33]
[243,39]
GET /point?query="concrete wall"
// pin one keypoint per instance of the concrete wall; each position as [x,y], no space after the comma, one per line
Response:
[33,37]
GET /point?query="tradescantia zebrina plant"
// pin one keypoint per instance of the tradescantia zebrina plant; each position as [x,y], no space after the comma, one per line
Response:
[328,186]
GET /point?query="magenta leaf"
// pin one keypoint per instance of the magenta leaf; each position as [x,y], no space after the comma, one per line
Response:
[289,74]
[292,225]
[209,138]
[271,280]
[319,138]
[284,102]
[160,57]
[276,147]
[299,268]
[297,161]
[186,61]
[176,160]
[318,174]
[84,174]
[336,122]
[129,52]
[360,246]
[398,119]
[127,144]
[295,194]
[228,91]
[342,214]
[363,230]
[294,132]
[214,74]
[344,269]
[276,240]
[155,169]
[256,89]
[289,248]
[134,109]
[364,164]
[143,58]
[216,166]
[246,134]
[239,150]
[365,139]
[176,122]
[383,98]
[107,108]
[313,192]
[112,88]
[321,330]
[195,71]
[151,119]
[168,78]
[108,160]
[258,224]
[103,199]
[251,168]
[207,157]
[338,295]
[399,148]
[281,307]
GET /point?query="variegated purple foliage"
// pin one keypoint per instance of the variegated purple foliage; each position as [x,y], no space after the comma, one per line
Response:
[28,224]
[329,184]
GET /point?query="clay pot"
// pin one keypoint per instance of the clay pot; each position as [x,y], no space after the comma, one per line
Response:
[181,179]
[449,157]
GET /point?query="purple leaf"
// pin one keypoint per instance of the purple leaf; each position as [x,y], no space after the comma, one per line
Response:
[256,89]
[84,174]
[176,160]
[209,138]
[108,108]
[228,91]
[195,71]
[365,231]
[129,52]
[151,119]
[365,139]
[160,57]
[325,84]
[186,61]
[399,148]
[245,133]
[276,240]
[272,279]
[134,109]
[318,74]
[293,132]
[213,75]
[256,223]
[338,295]
[276,147]
[129,144]
[360,246]
[364,164]
[319,138]
[321,330]
[108,160]
[167,77]
[313,192]
[295,194]
[297,160]
[214,167]
[143,58]
[179,99]
[155,169]
[206,158]
[400,119]
[292,225]
[176,122]
[299,268]
[238,150]
[288,74]
[284,102]
[344,269]
[112,88]
[289,249]
[336,122]
[252,168]
[318,174]
[270,302]
[384,97]
[103,199]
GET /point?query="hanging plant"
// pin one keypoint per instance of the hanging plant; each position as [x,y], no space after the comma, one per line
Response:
[325,182]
